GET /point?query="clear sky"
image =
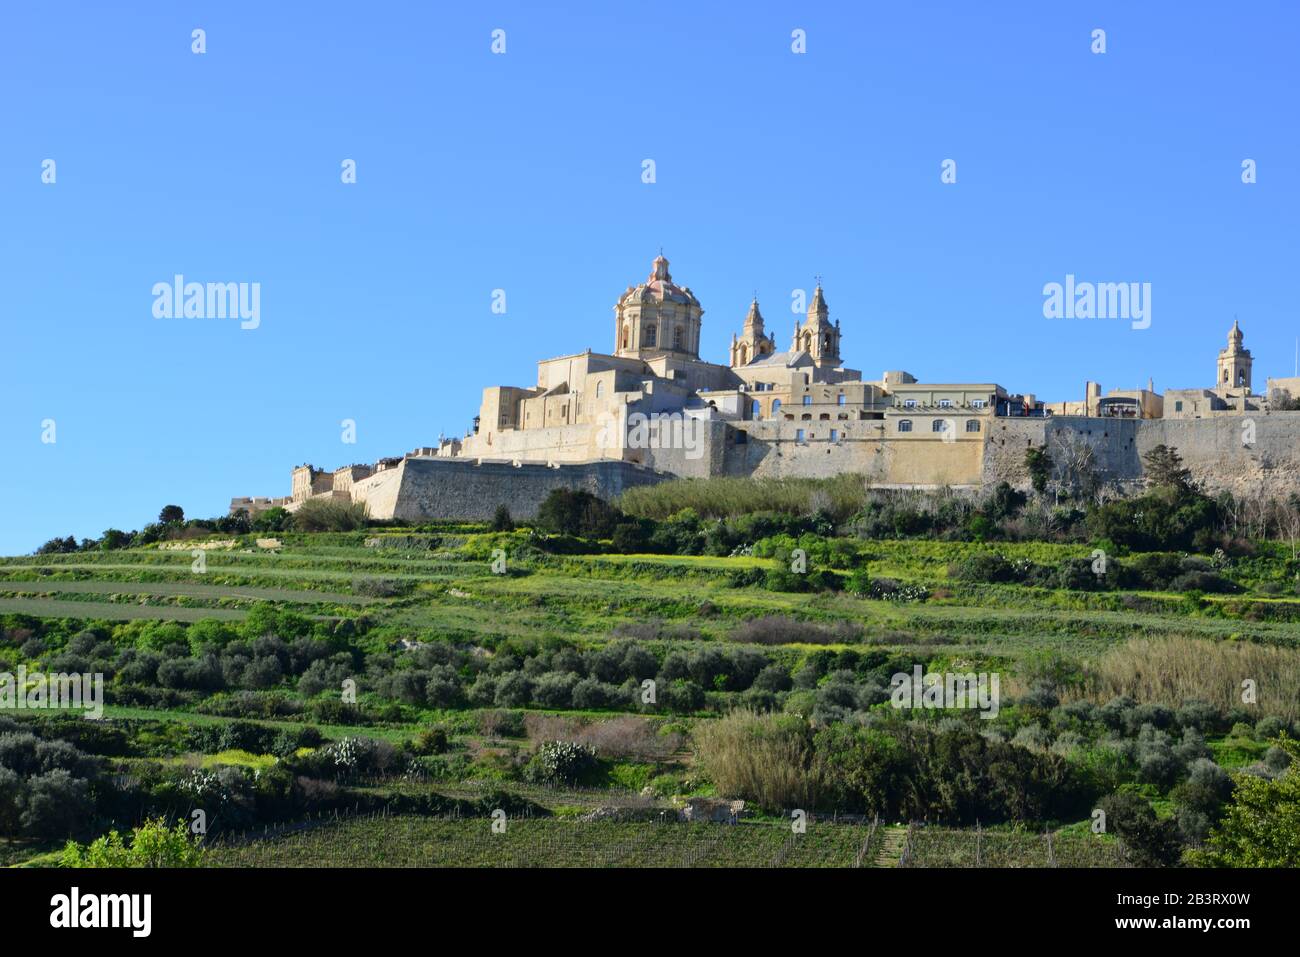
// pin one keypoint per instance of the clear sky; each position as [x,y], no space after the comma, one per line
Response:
[523,172]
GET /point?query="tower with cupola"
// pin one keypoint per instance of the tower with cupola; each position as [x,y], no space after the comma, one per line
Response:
[657,317]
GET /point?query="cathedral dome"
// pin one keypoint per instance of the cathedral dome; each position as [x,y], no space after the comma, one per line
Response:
[657,317]
[659,287]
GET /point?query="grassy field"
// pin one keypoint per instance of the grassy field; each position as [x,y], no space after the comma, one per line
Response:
[442,588]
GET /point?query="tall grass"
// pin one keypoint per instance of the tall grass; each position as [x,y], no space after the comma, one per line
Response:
[765,759]
[330,515]
[842,496]
[1171,671]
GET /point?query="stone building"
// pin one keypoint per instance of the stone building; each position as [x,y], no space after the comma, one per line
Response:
[653,408]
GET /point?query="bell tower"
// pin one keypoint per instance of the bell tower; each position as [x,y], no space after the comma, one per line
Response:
[816,335]
[1233,372]
[753,343]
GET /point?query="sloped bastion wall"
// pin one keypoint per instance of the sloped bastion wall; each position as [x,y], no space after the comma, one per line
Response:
[430,488]
[1251,453]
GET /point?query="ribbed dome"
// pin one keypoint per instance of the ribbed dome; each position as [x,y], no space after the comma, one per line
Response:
[659,287]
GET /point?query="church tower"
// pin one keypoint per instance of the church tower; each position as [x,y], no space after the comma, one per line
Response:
[657,317]
[753,342]
[1234,365]
[816,335]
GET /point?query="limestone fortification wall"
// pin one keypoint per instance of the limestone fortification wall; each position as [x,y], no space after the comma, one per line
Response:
[434,488]
[1252,452]
[1249,453]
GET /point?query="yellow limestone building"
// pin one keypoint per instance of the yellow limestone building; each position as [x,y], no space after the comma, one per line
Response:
[797,411]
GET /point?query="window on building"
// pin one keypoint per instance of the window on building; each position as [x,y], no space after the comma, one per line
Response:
[1241,378]
[798,435]
[905,425]
[840,399]
[650,333]
[600,389]
[939,425]
[945,403]
[1178,406]
[979,403]
[807,400]
[678,338]
[756,410]
[909,403]
[972,425]
[1225,375]
[835,435]
[776,407]
[627,336]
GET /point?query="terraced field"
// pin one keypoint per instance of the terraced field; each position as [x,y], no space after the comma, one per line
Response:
[454,591]
[438,592]
[425,842]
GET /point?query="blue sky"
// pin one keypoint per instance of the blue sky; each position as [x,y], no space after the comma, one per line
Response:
[522,172]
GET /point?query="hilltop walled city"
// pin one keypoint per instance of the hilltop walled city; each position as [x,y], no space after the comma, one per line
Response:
[653,409]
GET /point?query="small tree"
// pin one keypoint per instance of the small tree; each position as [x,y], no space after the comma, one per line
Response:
[1261,827]
[153,845]
[114,538]
[171,515]
[1075,466]
[1148,841]
[1039,464]
[58,546]
[501,520]
[1164,467]
[1281,400]
[577,512]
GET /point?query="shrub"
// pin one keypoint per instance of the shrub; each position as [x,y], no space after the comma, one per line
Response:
[513,690]
[555,689]
[577,512]
[593,694]
[153,845]
[501,520]
[763,758]
[1148,841]
[330,515]
[430,740]
[381,587]
[560,762]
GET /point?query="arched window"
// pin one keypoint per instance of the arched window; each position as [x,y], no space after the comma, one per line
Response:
[807,342]
[627,336]
[600,389]
[972,425]
[756,410]
[939,425]
[1241,378]
[1225,375]
[744,355]
[905,425]
[650,334]
[776,407]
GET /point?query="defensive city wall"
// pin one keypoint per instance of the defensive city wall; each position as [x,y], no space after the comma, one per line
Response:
[1256,453]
